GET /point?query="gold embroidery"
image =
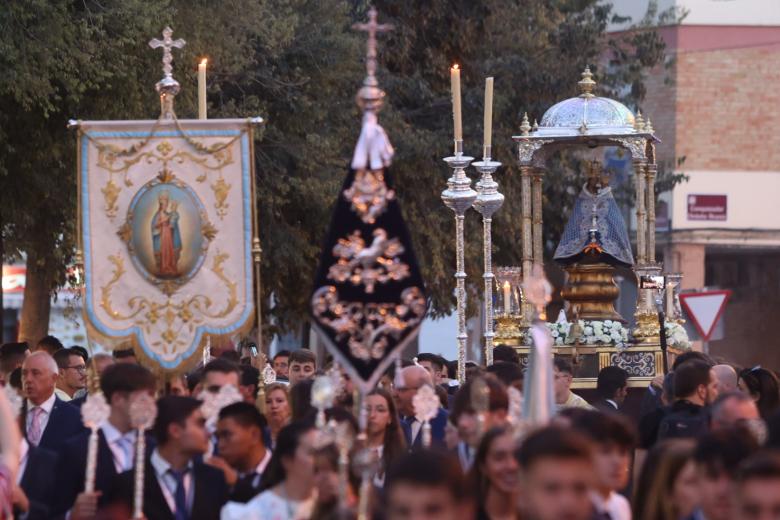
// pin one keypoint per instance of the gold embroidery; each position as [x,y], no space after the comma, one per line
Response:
[369,194]
[174,316]
[368,328]
[221,190]
[110,193]
[377,263]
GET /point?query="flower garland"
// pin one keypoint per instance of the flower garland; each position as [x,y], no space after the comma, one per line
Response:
[676,336]
[607,332]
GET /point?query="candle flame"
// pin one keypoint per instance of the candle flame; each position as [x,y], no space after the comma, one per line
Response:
[506,285]
[455,67]
[204,61]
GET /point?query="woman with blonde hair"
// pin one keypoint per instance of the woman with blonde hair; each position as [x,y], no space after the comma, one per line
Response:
[277,409]
[667,488]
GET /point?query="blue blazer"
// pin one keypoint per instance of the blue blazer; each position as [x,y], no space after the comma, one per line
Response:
[211,493]
[72,469]
[64,423]
[438,426]
[38,482]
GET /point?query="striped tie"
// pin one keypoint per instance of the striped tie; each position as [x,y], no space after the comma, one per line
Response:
[35,431]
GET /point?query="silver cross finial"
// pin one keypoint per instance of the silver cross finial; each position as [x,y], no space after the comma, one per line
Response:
[167,43]
[372,28]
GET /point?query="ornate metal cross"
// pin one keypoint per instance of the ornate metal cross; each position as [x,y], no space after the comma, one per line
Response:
[167,43]
[372,28]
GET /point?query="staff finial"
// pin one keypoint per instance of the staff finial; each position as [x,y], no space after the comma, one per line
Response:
[370,96]
[167,87]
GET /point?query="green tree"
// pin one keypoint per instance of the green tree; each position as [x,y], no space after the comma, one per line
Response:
[298,64]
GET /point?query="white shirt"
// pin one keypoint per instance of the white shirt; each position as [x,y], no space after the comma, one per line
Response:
[167,481]
[62,394]
[269,506]
[122,446]
[24,453]
[46,406]
[616,505]
[415,428]
[258,471]
[465,456]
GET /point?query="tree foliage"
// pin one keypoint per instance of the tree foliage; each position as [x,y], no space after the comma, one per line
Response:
[298,64]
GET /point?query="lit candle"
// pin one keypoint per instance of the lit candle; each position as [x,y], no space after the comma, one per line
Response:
[202,89]
[507,299]
[488,130]
[455,82]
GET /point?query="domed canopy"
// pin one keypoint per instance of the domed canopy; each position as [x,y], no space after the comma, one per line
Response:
[586,114]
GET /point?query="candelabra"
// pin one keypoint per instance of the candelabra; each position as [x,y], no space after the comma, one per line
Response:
[459,197]
[488,201]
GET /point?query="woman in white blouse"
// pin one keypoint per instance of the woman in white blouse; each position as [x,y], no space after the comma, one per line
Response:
[288,481]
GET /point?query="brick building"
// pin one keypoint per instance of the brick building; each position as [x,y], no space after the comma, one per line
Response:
[717,105]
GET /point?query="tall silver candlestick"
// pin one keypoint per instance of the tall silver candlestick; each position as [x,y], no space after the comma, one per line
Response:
[459,197]
[488,201]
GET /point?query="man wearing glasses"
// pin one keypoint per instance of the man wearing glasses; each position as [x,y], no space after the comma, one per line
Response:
[73,373]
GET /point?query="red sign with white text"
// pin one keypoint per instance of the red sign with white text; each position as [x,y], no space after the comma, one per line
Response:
[707,207]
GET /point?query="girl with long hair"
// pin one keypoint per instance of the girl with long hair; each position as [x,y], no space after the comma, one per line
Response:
[762,385]
[667,487]
[383,431]
[287,484]
[277,409]
[494,475]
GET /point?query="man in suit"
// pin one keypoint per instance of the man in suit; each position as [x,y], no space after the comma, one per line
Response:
[73,373]
[466,419]
[37,480]
[177,486]
[121,384]
[612,389]
[48,421]
[413,378]
[243,455]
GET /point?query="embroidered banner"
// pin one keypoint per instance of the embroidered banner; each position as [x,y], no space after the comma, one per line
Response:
[166,226]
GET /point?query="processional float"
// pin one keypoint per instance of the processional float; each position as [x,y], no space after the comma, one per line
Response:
[594,244]
[168,237]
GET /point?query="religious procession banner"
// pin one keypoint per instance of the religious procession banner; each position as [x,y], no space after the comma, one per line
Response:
[167,213]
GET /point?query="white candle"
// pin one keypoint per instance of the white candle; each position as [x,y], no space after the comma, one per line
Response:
[507,299]
[455,84]
[488,130]
[670,301]
[202,89]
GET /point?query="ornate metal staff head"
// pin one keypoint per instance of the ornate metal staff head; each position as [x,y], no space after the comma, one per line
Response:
[323,394]
[537,289]
[143,412]
[95,410]
[167,87]
[426,405]
[370,96]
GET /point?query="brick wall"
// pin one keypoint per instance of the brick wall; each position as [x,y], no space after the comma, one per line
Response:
[722,108]
[728,109]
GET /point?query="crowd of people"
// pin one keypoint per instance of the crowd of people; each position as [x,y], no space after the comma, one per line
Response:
[700,447]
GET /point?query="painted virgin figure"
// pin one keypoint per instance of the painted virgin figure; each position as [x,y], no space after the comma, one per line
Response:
[166,239]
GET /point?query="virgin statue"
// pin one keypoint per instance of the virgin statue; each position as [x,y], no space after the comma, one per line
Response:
[166,239]
[594,242]
[596,230]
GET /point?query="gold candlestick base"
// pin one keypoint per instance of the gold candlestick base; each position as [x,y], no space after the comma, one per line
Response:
[591,291]
[647,329]
[509,331]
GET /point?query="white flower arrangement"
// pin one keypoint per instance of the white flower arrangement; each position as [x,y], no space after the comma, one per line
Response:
[676,336]
[607,332]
